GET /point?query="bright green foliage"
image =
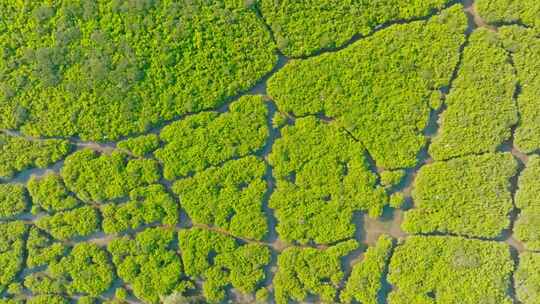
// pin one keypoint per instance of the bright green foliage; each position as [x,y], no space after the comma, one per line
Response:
[481,109]
[41,250]
[65,225]
[229,197]
[179,298]
[279,120]
[86,269]
[392,178]
[50,193]
[11,251]
[302,27]
[450,270]
[397,200]
[88,300]
[467,196]
[42,283]
[524,44]
[221,261]
[104,69]
[527,200]
[322,177]
[527,278]
[11,301]
[18,154]
[379,87]
[303,271]
[148,263]
[146,205]
[47,299]
[262,295]
[13,200]
[365,281]
[210,138]
[95,177]
[436,100]
[526,12]
[121,293]
[14,289]
[140,146]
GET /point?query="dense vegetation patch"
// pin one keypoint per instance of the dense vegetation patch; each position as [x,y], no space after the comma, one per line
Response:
[41,249]
[18,154]
[65,225]
[95,177]
[229,197]
[140,146]
[322,177]
[273,201]
[443,269]
[468,196]
[365,282]
[50,194]
[527,278]
[148,263]
[379,87]
[310,271]
[220,261]
[105,69]
[527,201]
[481,109]
[524,46]
[85,270]
[303,27]
[498,12]
[391,178]
[12,236]
[210,138]
[146,205]
[13,200]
